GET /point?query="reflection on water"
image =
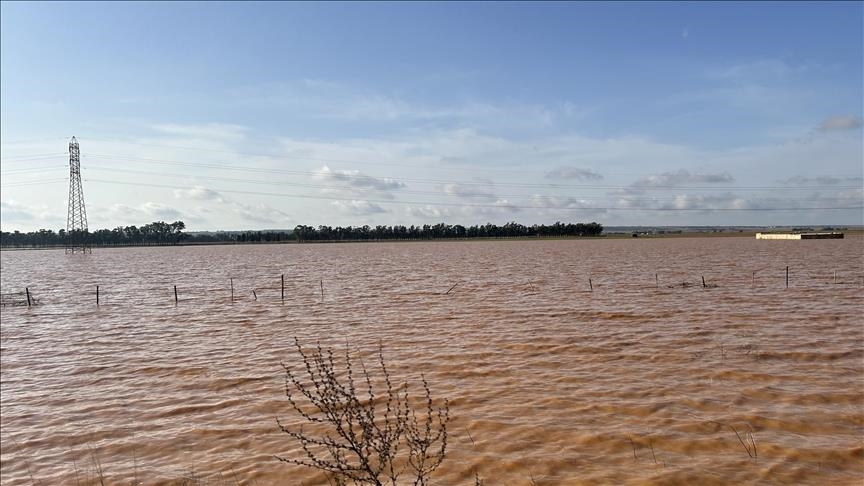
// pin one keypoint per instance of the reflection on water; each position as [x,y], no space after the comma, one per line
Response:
[639,380]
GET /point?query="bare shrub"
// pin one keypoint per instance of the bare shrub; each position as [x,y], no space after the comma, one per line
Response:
[748,442]
[364,430]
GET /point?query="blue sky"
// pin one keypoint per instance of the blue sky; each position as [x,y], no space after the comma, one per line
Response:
[268,115]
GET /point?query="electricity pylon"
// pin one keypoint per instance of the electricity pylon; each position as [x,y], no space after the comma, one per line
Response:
[77,237]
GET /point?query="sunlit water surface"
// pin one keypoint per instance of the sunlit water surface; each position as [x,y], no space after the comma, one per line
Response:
[548,382]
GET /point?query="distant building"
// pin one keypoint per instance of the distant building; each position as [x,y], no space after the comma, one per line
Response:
[799,236]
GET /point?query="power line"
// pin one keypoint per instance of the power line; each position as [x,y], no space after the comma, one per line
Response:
[498,206]
[30,158]
[366,177]
[349,161]
[401,191]
[33,183]
[33,169]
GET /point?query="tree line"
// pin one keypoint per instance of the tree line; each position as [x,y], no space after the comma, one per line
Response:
[444,231]
[155,233]
[162,233]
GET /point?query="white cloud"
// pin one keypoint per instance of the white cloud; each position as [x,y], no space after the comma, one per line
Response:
[11,210]
[840,123]
[355,179]
[507,206]
[357,207]
[574,173]
[481,191]
[426,213]
[257,213]
[199,193]
[764,69]
[821,180]
[217,131]
[260,213]
[140,214]
[682,177]
[161,211]
[556,202]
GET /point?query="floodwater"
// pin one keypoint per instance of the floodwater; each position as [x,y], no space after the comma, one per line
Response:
[641,380]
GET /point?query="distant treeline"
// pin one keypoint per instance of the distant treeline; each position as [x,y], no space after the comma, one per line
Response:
[441,230]
[162,233]
[155,233]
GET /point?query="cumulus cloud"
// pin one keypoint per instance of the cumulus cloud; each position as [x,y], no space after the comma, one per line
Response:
[160,210]
[355,179]
[731,201]
[147,211]
[688,202]
[507,206]
[673,179]
[840,123]
[260,213]
[481,191]
[820,180]
[199,193]
[556,202]
[14,211]
[428,212]
[574,173]
[25,215]
[357,207]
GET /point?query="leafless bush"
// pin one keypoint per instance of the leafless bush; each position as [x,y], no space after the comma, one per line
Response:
[361,431]
[748,442]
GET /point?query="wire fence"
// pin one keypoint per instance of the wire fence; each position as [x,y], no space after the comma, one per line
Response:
[300,290]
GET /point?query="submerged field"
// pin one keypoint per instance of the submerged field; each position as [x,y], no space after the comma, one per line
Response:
[640,380]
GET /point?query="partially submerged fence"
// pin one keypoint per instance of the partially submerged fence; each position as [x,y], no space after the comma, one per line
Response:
[18,299]
[306,290]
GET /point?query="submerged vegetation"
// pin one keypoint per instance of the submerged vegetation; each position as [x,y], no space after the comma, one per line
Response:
[362,428]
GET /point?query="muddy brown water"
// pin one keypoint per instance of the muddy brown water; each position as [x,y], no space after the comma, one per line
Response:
[634,382]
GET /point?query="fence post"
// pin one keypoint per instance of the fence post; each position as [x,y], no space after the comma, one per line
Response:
[175,295]
[97,296]
[283,286]
[590,285]
[27,291]
[787,276]
[232,290]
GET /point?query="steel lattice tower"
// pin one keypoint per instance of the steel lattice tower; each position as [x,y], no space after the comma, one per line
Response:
[77,237]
